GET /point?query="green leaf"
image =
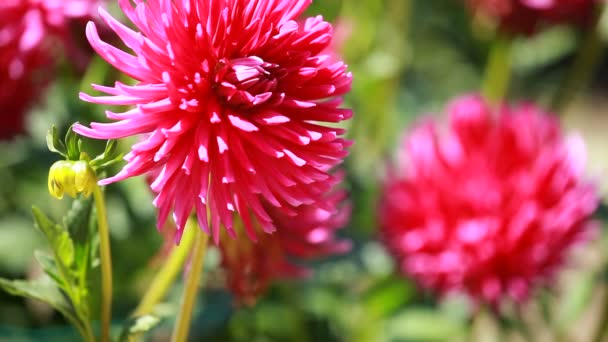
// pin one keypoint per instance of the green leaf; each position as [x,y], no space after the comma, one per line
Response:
[110,148]
[73,144]
[76,221]
[138,325]
[54,143]
[107,158]
[50,267]
[387,297]
[575,299]
[41,290]
[58,237]
[418,324]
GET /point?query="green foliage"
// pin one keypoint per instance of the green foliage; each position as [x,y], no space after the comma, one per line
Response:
[418,324]
[60,242]
[65,285]
[71,149]
[109,157]
[54,142]
[40,290]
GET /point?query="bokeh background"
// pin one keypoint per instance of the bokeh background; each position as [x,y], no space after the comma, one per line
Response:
[408,57]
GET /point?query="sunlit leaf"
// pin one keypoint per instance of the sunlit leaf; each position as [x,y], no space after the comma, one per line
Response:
[137,326]
[54,143]
[49,267]
[417,324]
[41,290]
[72,143]
[58,237]
[109,157]
[388,296]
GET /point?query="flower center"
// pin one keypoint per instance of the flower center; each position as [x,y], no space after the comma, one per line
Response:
[245,82]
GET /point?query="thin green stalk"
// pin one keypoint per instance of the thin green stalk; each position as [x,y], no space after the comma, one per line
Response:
[497,74]
[184,318]
[106,264]
[84,328]
[581,71]
[88,333]
[602,329]
[168,273]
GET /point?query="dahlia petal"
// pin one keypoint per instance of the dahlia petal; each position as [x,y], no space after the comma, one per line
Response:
[242,124]
[272,118]
[294,158]
[131,38]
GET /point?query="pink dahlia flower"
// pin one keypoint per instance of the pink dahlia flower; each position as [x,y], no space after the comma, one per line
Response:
[527,16]
[27,30]
[31,21]
[490,206]
[251,266]
[20,85]
[234,97]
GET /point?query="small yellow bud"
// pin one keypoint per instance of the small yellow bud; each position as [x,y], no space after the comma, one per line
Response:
[71,178]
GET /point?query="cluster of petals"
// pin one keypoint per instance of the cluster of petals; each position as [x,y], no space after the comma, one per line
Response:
[489,206]
[28,31]
[528,16]
[252,266]
[234,98]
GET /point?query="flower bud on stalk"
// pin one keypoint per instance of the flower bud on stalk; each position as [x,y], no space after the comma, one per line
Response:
[71,178]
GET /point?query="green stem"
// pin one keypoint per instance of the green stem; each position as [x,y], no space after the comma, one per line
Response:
[168,272]
[84,328]
[581,71]
[602,329]
[106,264]
[88,333]
[180,334]
[498,70]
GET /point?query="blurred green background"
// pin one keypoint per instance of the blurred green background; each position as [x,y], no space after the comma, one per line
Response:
[408,58]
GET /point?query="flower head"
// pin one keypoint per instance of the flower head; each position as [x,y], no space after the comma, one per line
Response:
[527,16]
[232,96]
[20,85]
[489,208]
[251,266]
[27,29]
[31,21]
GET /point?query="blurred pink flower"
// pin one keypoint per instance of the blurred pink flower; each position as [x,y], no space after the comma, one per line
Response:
[30,21]
[27,30]
[492,206]
[527,16]
[20,85]
[251,266]
[234,96]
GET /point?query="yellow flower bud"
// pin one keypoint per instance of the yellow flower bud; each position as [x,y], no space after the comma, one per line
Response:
[71,178]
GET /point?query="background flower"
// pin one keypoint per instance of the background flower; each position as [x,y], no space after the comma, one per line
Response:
[29,33]
[234,96]
[491,207]
[251,266]
[527,16]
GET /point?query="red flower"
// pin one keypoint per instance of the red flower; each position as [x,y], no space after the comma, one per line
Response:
[527,16]
[489,208]
[27,28]
[20,85]
[251,266]
[234,96]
